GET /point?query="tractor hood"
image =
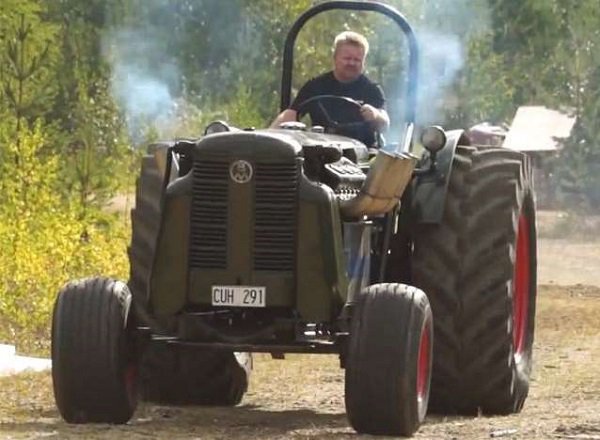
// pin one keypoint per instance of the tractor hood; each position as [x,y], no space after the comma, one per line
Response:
[278,143]
[258,144]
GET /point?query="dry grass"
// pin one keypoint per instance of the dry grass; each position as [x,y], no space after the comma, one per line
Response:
[302,396]
[567,224]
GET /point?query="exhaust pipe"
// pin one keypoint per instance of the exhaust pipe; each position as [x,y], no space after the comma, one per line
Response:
[382,190]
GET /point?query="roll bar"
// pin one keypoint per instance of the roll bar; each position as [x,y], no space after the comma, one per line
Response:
[387,10]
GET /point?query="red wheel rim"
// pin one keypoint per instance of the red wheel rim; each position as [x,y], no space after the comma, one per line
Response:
[424,363]
[521,287]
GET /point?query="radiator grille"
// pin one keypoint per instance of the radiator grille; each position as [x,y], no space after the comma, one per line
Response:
[275,216]
[208,237]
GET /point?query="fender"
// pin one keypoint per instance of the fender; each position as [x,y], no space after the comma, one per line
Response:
[430,188]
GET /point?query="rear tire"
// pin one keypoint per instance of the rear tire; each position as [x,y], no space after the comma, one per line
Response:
[388,369]
[94,369]
[185,376]
[145,220]
[479,269]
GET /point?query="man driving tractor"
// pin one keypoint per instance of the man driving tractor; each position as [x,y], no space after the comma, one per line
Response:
[347,79]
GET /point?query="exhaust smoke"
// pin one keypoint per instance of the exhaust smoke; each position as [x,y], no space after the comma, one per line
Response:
[441,59]
[142,81]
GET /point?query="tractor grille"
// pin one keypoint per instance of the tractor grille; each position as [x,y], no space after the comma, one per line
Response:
[208,238]
[275,216]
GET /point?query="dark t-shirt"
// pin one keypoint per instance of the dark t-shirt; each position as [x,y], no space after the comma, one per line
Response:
[362,89]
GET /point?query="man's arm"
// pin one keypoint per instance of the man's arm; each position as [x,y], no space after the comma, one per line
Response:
[378,117]
[285,116]
[291,114]
[374,108]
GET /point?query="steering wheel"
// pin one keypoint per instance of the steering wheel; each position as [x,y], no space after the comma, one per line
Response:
[333,125]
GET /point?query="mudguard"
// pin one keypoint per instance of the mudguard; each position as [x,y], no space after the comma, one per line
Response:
[430,188]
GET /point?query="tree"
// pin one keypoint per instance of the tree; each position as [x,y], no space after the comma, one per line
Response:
[575,63]
[26,87]
[92,145]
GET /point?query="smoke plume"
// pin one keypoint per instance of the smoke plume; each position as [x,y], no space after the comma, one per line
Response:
[142,80]
[441,58]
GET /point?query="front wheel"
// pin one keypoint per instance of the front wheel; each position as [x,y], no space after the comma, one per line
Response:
[388,369]
[94,366]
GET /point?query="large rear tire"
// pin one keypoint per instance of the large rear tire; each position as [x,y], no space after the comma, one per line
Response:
[185,376]
[388,368]
[479,269]
[145,220]
[94,365]
[175,375]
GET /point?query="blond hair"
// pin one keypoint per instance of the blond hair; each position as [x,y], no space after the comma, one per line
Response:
[353,38]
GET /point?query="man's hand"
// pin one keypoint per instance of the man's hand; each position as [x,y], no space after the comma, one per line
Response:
[285,116]
[368,112]
[377,117]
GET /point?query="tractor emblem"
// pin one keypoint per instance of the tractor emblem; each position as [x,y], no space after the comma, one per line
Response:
[241,171]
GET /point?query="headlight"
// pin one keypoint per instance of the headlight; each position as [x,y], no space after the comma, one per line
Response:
[216,127]
[433,138]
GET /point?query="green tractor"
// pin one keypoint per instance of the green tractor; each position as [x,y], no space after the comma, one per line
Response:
[292,240]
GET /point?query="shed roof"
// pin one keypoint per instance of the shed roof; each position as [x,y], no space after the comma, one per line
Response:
[538,128]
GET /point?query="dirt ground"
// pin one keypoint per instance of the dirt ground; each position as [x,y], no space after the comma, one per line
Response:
[568,249]
[302,396]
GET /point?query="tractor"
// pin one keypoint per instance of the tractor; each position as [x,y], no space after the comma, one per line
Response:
[419,272]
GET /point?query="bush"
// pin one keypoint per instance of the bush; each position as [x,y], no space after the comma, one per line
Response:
[44,242]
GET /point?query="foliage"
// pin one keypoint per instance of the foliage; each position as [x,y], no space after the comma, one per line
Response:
[484,90]
[575,63]
[45,243]
[96,152]
[26,62]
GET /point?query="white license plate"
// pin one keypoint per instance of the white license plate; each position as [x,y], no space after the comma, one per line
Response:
[239,296]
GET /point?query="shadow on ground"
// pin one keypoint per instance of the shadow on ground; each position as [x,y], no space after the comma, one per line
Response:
[152,421]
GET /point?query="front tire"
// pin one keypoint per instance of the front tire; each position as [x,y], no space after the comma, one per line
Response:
[388,368]
[94,366]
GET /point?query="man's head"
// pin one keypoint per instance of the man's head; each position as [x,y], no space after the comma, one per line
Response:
[349,52]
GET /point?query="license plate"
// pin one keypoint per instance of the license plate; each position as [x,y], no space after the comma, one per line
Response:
[239,296]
